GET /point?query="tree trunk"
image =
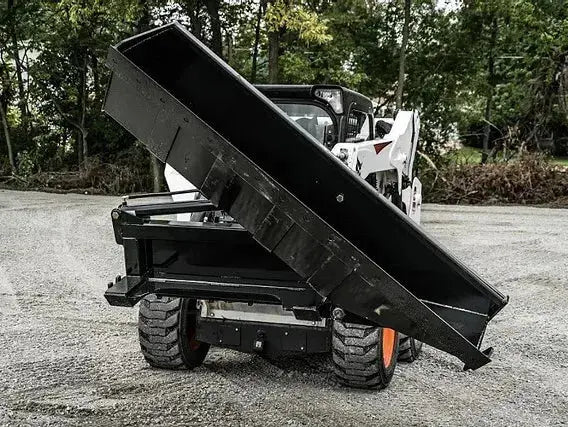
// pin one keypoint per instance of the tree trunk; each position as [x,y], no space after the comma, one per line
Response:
[229,57]
[490,94]
[192,9]
[260,12]
[19,76]
[273,56]
[487,127]
[82,147]
[84,98]
[143,23]
[96,81]
[403,46]
[157,174]
[22,103]
[79,143]
[212,7]
[6,129]
[81,132]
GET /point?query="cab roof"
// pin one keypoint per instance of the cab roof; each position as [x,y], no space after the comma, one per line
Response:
[278,91]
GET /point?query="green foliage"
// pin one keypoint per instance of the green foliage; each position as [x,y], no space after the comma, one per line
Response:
[53,74]
[74,41]
[26,163]
[294,16]
[560,161]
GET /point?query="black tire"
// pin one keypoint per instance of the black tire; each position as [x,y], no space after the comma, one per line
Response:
[357,352]
[382,128]
[166,330]
[408,349]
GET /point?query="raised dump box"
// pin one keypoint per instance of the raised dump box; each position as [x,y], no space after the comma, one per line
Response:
[294,197]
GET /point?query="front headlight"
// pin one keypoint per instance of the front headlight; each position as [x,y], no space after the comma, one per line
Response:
[332,96]
[343,155]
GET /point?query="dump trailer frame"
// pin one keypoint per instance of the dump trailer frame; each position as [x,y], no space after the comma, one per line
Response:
[294,197]
[198,260]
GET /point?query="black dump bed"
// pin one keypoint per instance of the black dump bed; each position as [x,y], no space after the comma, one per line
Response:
[295,198]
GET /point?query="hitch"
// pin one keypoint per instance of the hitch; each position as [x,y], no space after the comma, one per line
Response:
[126,291]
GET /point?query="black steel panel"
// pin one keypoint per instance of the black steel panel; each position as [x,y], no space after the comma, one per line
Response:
[277,338]
[293,339]
[286,294]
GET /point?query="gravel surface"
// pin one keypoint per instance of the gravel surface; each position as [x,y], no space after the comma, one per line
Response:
[67,358]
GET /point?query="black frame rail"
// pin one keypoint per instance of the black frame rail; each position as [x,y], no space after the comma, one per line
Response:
[198,260]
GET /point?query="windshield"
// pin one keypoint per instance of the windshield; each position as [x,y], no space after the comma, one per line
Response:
[311,117]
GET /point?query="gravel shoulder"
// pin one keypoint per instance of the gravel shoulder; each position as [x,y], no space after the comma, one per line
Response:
[67,358]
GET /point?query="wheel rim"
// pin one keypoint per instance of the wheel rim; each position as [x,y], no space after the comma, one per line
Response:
[193,343]
[389,339]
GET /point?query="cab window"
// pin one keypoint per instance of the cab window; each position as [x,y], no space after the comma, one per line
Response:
[358,126]
[312,118]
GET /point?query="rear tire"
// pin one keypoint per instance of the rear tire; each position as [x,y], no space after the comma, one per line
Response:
[364,356]
[382,128]
[408,349]
[166,329]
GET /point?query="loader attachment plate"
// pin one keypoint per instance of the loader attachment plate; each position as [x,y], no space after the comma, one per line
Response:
[292,195]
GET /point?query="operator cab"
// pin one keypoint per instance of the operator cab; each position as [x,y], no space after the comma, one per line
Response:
[330,113]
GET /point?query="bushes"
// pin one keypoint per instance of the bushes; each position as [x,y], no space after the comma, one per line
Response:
[130,173]
[530,179]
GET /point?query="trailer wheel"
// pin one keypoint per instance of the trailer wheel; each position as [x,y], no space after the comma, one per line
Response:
[364,356]
[166,329]
[408,349]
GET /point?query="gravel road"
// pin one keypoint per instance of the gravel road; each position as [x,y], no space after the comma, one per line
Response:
[67,358]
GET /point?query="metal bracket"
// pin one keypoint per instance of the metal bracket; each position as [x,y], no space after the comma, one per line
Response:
[127,291]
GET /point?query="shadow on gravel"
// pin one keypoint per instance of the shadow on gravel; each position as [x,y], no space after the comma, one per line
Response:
[252,367]
[303,363]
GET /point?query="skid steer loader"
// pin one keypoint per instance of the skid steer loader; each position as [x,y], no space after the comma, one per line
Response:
[291,224]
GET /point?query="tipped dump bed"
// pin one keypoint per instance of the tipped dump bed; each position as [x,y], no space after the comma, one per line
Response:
[193,111]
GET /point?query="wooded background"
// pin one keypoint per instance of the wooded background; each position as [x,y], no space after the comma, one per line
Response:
[489,74]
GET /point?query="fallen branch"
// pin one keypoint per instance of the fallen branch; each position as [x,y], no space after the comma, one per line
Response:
[14,177]
[432,165]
